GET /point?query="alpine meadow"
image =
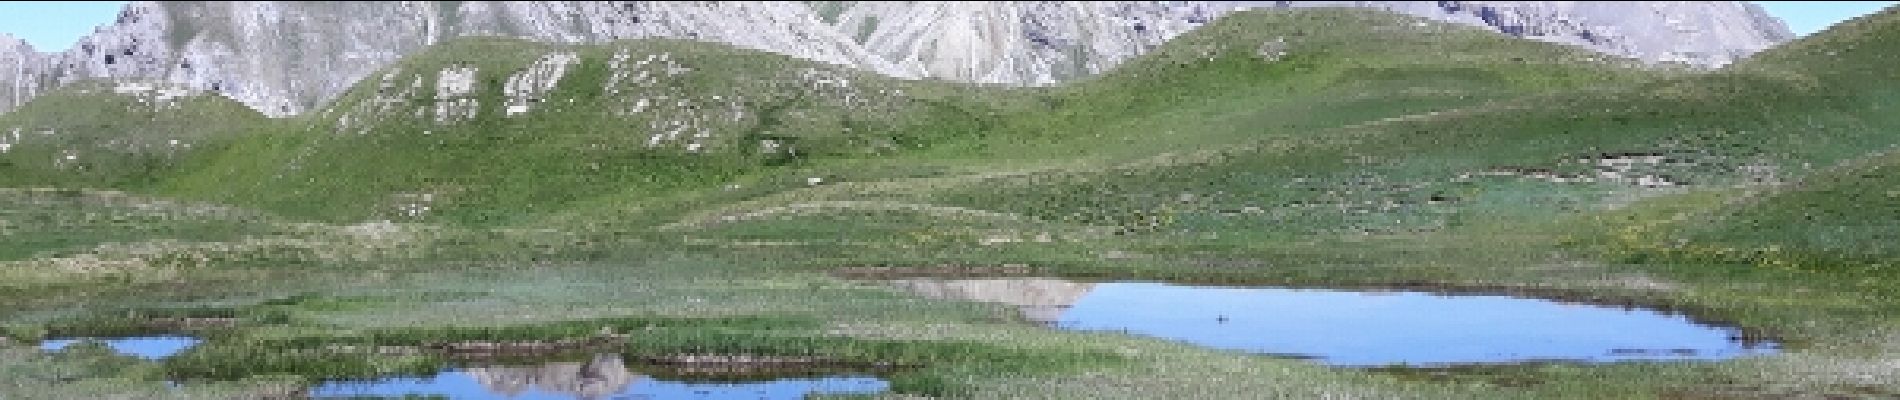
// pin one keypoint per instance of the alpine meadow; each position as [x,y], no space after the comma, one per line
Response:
[715,213]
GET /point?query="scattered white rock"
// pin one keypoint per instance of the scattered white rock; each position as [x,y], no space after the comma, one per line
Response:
[531,86]
[454,89]
[6,142]
[455,82]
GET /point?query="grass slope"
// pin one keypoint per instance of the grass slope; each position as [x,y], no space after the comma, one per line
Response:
[116,134]
[1841,218]
[674,114]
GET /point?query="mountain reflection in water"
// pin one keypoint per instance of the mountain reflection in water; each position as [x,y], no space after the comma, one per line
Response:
[1040,299]
[603,376]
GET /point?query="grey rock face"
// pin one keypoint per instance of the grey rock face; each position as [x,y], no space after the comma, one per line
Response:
[285,58]
[1016,42]
[22,68]
[1047,42]
[1707,33]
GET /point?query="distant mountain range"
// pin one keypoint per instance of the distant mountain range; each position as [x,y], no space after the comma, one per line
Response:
[286,58]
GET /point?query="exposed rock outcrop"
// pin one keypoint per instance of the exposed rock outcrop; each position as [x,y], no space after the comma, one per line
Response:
[22,69]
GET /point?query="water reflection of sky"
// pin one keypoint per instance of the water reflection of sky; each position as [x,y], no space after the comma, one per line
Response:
[1363,329]
[147,347]
[457,384]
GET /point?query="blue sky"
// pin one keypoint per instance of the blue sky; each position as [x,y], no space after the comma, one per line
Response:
[1806,17]
[55,25]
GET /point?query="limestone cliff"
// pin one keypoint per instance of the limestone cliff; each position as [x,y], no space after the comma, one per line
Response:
[285,58]
[22,68]
[1048,42]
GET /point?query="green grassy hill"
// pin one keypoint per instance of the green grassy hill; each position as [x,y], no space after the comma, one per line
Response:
[1841,217]
[116,134]
[1852,49]
[1381,131]
[649,116]
[1841,221]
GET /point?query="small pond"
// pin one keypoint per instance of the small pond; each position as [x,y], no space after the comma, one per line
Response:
[602,377]
[1358,328]
[146,347]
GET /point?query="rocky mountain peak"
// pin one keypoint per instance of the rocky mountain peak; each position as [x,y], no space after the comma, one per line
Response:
[7,41]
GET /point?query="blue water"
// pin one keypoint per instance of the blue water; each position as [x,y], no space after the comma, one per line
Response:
[1346,328]
[602,378]
[146,347]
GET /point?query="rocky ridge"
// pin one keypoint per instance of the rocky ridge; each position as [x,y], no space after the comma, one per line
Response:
[287,58]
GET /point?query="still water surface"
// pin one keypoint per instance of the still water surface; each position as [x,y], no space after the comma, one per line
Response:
[146,347]
[1359,328]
